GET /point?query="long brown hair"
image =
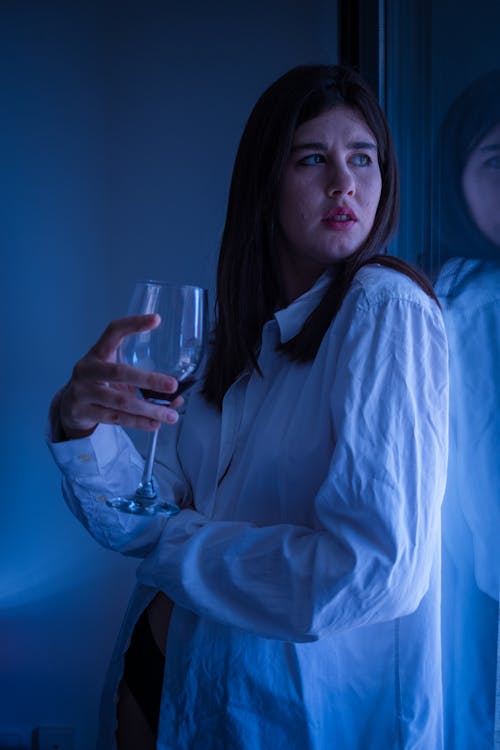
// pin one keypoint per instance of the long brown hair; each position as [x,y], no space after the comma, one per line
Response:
[248,275]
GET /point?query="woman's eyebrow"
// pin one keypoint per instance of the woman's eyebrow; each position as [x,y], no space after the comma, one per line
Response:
[319,146]
[491,147]
[310,145]
[365,145]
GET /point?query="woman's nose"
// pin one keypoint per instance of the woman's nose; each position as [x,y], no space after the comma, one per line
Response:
[340,182]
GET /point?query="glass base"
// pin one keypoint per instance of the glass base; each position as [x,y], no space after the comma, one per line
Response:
[139,506]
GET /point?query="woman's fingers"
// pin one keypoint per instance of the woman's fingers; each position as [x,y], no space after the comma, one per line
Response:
[106,346]
[83,408]
[103,390]
[106,415]
[90,369]
[126,402]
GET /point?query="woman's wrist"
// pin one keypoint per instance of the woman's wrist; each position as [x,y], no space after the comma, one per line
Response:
[61,432]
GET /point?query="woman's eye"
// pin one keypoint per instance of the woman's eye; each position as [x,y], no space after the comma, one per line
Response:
[361,160]
[312,159]
[493,163]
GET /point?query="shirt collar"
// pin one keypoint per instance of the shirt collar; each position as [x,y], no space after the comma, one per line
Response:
[291,319]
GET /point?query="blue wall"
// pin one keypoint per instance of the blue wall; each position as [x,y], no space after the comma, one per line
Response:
[119,122]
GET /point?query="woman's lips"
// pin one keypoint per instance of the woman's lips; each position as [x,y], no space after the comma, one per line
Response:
[339,219]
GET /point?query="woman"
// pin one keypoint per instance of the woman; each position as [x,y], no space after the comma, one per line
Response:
[468,191]
[310,464]
[468,286]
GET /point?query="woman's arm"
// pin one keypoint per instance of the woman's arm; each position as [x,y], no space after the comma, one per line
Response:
[369,558]
[96,458]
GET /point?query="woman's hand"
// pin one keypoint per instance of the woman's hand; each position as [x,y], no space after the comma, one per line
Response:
[102,390]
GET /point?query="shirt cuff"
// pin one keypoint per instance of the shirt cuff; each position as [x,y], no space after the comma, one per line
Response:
[90,455]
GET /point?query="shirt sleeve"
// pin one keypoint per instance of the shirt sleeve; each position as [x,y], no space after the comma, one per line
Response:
[475,432]
[106,464]
[369,557]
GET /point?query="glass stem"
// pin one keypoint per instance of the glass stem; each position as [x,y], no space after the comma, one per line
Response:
[146,487]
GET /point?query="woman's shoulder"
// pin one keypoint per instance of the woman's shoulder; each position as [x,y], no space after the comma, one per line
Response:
[468,283]
[376,285]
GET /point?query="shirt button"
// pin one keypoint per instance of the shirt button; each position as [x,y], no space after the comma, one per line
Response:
[84,457]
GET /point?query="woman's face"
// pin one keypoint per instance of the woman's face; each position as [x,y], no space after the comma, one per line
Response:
[329,195]
[481,185]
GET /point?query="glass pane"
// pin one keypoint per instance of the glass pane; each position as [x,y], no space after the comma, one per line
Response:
[443,65]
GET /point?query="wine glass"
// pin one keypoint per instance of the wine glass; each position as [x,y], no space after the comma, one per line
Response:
[176,347]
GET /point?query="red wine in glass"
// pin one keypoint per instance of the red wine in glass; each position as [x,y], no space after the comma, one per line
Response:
[166,398]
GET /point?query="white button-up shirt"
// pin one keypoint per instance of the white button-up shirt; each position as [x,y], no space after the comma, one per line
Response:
[304,566]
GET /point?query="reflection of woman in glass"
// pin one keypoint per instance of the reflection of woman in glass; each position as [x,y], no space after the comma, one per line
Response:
[469,174]
[468,285]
